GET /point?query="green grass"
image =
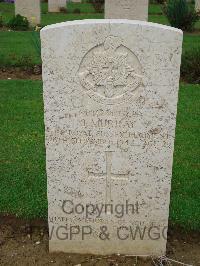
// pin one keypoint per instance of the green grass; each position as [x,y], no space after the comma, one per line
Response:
[60,17]
[17,49]
[22,154]
[84,8]
[6,11]
[185,198]
[155,9]
[191,41]
[158,19]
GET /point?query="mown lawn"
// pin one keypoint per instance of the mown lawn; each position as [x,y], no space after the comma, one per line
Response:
[17,49]
[185,198]
[22,154]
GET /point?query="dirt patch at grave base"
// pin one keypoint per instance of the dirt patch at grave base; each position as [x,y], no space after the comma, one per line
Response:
[32,73]
[26,243]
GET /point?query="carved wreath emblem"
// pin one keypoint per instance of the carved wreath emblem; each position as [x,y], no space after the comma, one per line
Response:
[110,71]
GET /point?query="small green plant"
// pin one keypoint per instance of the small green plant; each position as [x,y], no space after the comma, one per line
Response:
[161,2]
[181,14]
[76,11]
[63,10]
[190,66]
[24,61]
[18,23]
[1,21]
[98,5]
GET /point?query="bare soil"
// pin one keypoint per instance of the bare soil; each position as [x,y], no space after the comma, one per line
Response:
[33,73]
[24,242]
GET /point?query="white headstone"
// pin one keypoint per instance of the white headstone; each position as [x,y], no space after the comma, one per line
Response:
[110,95]
[55,5]
[126,9]
[197,5]
[29,9]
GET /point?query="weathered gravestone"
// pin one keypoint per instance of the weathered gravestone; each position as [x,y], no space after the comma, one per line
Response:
[110,94]
[29,9]
[126,9]
[55,5]
[197,5]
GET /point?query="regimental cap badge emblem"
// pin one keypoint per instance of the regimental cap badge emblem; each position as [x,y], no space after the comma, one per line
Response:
[110,72]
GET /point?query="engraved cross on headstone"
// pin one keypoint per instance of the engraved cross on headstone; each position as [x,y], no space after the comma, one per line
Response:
[109,176]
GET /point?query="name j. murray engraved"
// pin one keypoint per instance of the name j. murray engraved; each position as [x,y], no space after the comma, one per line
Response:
[93,123]
[101,121]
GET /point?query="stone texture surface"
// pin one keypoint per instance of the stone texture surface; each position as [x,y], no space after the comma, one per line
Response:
[55,5]
[126,9]
[30,9]
[110,99]
[197,5]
